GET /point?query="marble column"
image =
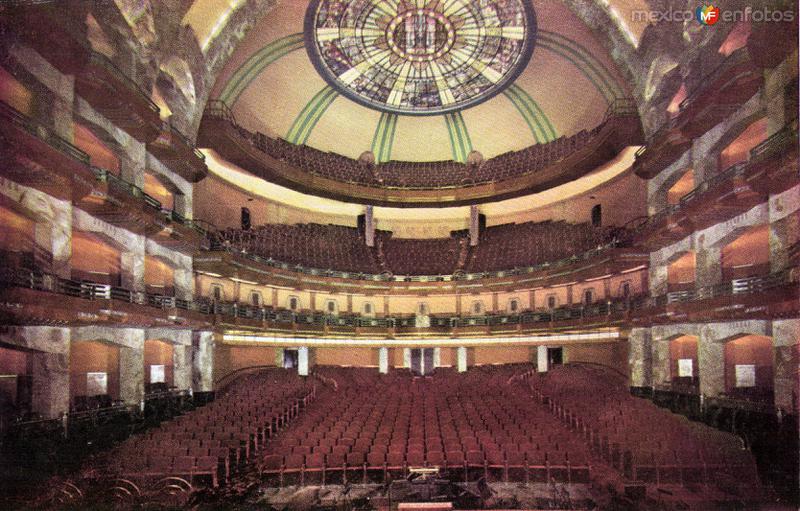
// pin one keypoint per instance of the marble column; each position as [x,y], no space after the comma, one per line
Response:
[461,356]
[541,359]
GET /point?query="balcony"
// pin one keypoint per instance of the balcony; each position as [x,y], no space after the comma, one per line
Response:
[661,151]
[57,31]
[719,94]
[176,151]
[769,296]
[33,155]
[118,98]
[30,297]
[669,225]
[774,164]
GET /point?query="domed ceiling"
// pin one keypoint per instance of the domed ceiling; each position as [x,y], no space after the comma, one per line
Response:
[419,81]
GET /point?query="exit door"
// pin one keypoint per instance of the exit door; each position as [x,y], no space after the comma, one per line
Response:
[422,361]
[555,356]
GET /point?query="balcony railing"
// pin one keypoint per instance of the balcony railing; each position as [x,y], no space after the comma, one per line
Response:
[41,131]
[101,60]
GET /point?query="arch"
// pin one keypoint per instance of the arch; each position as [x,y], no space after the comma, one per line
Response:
[477,307]
[293,303]
[683,363]
[513,305]
[159,365]
[588,296]
[94,367]
[180,76]
[681,272]
[683,185]
[748,255]
[749,367]
[738,149]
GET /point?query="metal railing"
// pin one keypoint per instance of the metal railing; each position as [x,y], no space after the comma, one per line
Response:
[104,62]
[10,277]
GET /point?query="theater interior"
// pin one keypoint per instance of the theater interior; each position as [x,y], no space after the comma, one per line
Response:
[412,254]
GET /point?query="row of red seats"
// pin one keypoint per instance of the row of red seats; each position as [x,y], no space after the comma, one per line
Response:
[384,425]
[644,442]
[217,439]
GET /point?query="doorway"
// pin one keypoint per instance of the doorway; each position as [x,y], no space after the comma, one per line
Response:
[290,359]
[422,361]
[555,357]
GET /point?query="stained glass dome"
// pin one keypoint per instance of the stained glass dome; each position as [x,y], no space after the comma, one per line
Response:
[416,57]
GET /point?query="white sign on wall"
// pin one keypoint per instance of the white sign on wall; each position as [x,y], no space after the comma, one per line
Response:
[745,375]
[685,369]
[157,374]
[96,384]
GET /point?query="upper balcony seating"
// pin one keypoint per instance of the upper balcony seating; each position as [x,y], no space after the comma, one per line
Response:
[313,245]
[510,246]
[439,256]
[335,247]
[420,175]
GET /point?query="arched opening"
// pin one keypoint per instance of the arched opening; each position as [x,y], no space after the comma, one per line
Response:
[683,364]
[14,94]
[477,307]
[748,368]
[94,260]
[16,383]
[747,255]
[17,239]
[739,150]
[597,215]
[588,296]
[513,305]
[294,303]
[255,299]
[94,374]
[737,38]
[159,277]
[681,187]
[674,107]
[331,307]
[681,273]
[368,309]
[99,153]
[158,365]
[154,187]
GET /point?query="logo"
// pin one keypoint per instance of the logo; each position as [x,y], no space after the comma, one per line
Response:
[707,15]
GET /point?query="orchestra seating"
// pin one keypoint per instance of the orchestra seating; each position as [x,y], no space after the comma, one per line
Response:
[215,440]
[375,427]
[421,175]
[439,256]
[646,443]
[336,247]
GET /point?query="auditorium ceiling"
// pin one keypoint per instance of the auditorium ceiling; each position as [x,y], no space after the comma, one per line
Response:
[417,80]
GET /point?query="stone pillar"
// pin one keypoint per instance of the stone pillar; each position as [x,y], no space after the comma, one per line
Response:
[133,163]
[302,361]
[711,362]
[708,269]
[785,339]
[461,359]
[474,225]
[54,236]
[182,366]
[203,362]
[369,226]
[349,303]
[495,302]
[541,359]
[131,373]
[640,357]
[660,361]
[784,227]
[312,301]
[383,360]
[50,393]
[184,283]
[569,295]
[132,265]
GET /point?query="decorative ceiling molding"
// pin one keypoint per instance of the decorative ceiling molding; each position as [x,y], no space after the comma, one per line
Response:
[384,137]
[460,143]
[308,118]
[541,127]
[260,60]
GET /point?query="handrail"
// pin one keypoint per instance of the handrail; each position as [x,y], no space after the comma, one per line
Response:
[108,65]
[738,56]
[41,131]
[10,277]
[764,149]
[618,107]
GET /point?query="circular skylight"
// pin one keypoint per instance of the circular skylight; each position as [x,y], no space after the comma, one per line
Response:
[416,57]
